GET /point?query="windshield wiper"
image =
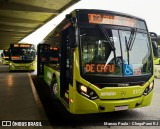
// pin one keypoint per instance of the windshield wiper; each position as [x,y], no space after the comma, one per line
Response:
[107,37]
[130,42]
[111,43]
[127,47]
[132,38]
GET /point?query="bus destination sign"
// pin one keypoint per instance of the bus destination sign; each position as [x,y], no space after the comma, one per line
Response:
[111,19]
[99,68]
[22,45]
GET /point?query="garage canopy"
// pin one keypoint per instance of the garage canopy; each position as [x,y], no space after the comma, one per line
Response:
[19,18]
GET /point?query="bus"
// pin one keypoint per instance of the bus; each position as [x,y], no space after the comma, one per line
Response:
[5,57]
[22,57]
[154,39]
[105,62]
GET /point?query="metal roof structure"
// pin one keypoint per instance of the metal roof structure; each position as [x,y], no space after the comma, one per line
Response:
[19,18]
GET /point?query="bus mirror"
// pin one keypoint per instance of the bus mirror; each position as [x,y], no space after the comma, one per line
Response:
[155,44]
[68,16]
[155,48]
[71,18]
[72,37]
[153,35]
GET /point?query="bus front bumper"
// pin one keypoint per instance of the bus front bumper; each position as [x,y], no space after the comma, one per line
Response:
[85,106]
[5,62]
[13,67]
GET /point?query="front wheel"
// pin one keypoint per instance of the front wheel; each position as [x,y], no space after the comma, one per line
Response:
[53,88]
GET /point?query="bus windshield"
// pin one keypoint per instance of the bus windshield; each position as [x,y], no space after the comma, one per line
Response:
[128,58]
[22,54]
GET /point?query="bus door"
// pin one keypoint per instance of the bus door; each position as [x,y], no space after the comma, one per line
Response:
[42,58]
[66,62]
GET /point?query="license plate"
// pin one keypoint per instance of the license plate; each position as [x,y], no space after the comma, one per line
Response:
[21,67]
[121,108]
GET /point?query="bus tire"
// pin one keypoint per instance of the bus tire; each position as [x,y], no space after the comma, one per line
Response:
[53,88]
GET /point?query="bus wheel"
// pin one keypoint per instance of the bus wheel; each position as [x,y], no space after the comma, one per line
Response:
[53,88]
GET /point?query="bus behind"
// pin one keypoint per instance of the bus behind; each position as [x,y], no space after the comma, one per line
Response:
[5,57]
[22,57]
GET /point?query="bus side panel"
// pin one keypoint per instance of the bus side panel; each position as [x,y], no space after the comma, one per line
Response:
[48,76]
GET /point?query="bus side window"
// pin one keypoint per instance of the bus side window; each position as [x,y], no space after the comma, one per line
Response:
[69,63]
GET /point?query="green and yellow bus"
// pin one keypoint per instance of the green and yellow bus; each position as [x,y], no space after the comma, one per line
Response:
[22,57]
[105,62]
[5,57]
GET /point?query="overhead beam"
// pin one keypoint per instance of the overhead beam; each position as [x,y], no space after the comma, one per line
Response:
[68,5]
[16,30]
[4,46]
[10,39]
[18,20]
[23,31]
[8,42]
[23,7]
[11,34]
[12,30]
[15,27]
[5,32]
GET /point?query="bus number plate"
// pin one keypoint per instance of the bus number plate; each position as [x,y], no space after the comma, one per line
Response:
[121,108]
[21,67]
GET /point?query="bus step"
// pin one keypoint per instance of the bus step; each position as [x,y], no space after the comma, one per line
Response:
[65,101]
[66,95]
[67,91]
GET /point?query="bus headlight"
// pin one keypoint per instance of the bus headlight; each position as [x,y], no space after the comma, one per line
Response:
[32,64]
[10,64]
[149,88]
[86,91]
[83,88]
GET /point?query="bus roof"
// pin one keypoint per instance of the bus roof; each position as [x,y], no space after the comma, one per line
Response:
[49,38]
[108,11]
